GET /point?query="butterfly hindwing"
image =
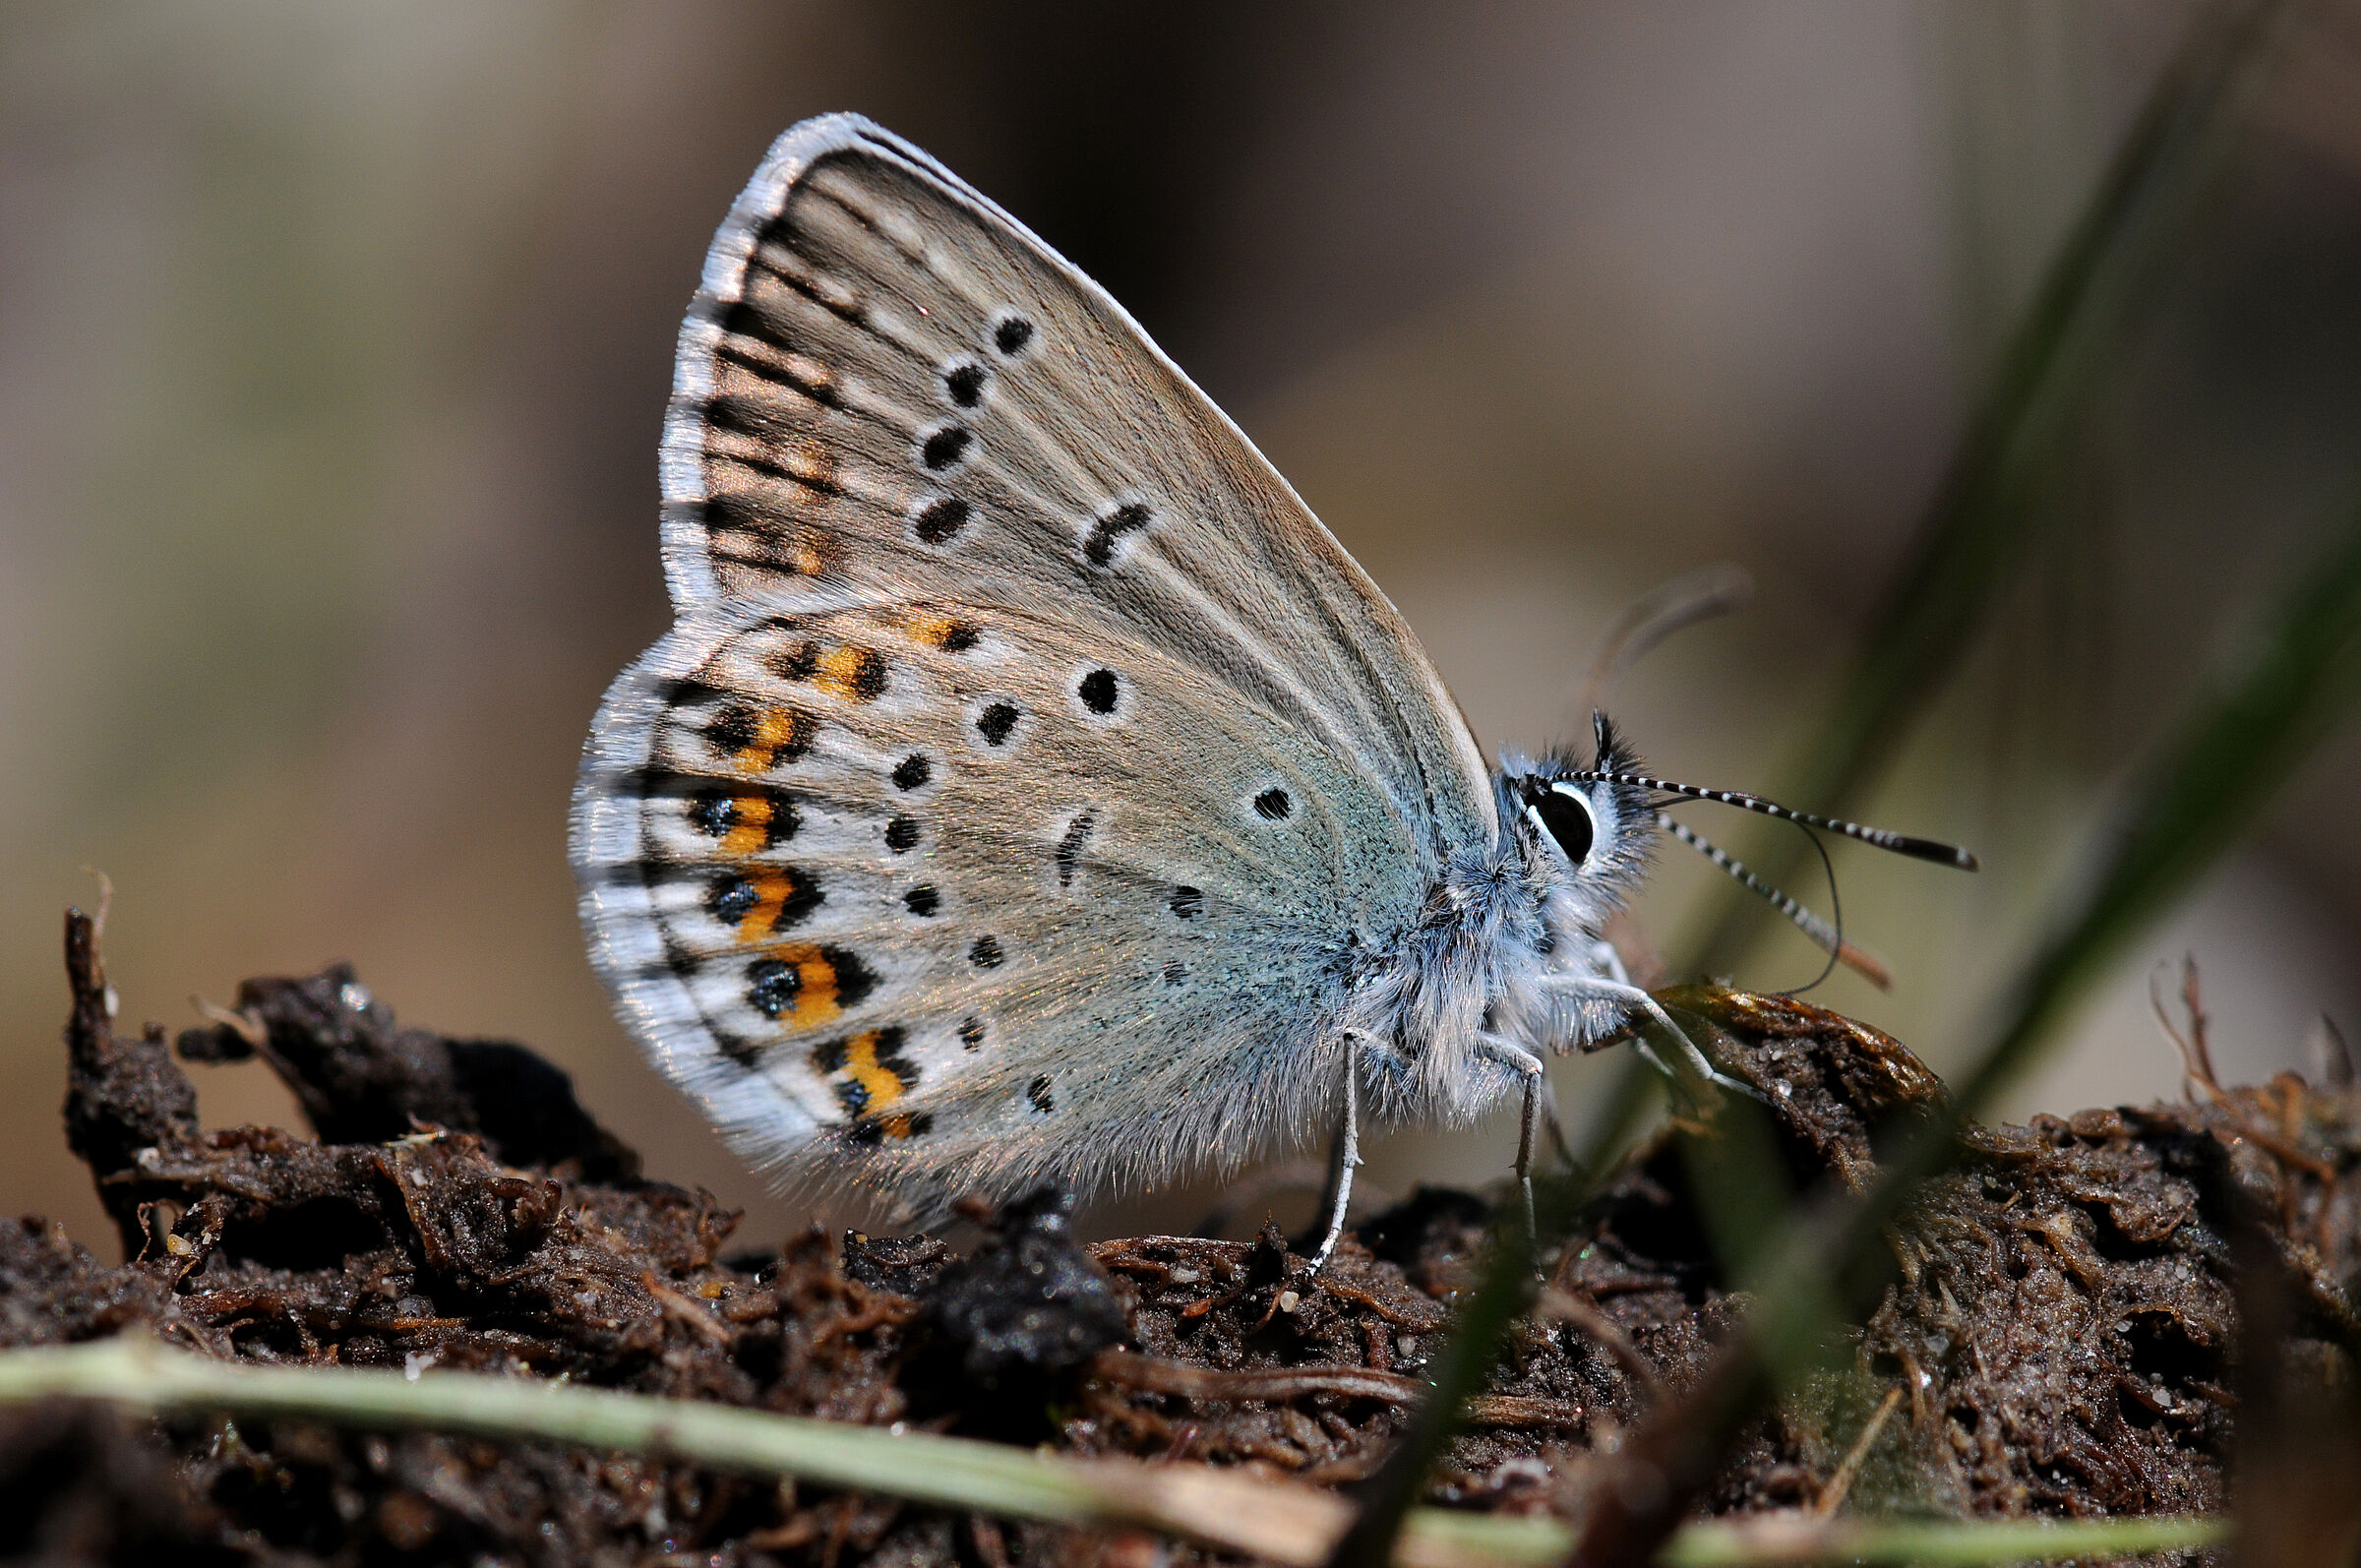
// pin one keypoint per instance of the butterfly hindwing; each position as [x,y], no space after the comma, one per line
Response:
[943,899]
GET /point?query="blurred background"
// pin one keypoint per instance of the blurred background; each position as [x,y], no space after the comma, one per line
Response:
[333,340]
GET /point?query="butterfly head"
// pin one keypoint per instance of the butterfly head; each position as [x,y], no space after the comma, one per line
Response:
[1587,839]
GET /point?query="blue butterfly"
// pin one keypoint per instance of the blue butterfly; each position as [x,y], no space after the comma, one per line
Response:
[1030,788]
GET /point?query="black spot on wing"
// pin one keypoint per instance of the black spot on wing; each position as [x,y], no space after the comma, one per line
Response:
[873,1131]
[795,663]
[901,835]
[1188,902]
[855,980]
[718,812]
[732,730]
[847,671]
[1011,333]
[912,771]
[774,985]
[775,441]
[939,520]
[964,381]
[1107,530]
[732,898]
[1096,689]
[985,953]
[776,898]
[868,682]
[761,418]
[744,320]
[758,740]
[1038,1091]
[1070,848]
[1273,805]
[945,447]
[687,691]
[771,985]
[971,1033]
[712,812]
[997,722]
[922,900]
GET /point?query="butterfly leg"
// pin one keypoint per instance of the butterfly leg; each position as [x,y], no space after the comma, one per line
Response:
[1605,961]
[1555,1122]
[1348,1153]
[1632,999]
[1520,1059]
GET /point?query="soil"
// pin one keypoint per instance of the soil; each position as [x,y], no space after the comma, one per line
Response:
[2057,1335]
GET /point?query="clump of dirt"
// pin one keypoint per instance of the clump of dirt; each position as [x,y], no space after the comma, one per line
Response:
[2058,1336]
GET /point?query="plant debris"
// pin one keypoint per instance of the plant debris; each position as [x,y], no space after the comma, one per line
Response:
[2059,1336]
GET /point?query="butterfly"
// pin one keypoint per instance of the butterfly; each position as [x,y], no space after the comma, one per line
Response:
[1030,788]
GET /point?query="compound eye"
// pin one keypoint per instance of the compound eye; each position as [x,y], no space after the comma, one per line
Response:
[1565,815]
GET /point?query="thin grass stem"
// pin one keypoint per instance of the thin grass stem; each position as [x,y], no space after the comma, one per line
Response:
[1290,1525]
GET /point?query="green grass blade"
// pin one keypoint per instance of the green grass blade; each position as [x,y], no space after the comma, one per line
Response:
[2226,759]
[1228,1511]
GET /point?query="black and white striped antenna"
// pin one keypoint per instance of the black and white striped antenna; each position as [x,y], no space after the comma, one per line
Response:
[1828,938]
[1926,849]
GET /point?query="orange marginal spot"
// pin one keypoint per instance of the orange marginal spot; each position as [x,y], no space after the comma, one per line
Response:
[883,1084]
[948,632]
[750,826]
[852,674]
[774,887]
[780,735]
[816,998]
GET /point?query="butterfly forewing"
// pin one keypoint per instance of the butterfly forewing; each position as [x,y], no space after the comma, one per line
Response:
[887,380]
[1029,771]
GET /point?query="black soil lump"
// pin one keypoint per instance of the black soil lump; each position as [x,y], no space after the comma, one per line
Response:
[2059,1336]
[1027,1312]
